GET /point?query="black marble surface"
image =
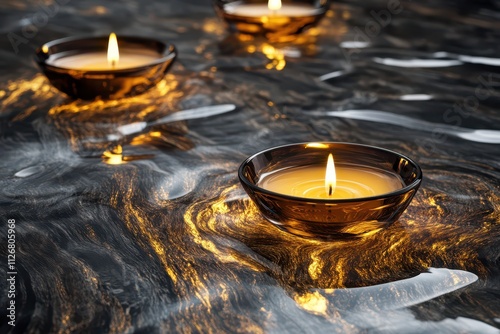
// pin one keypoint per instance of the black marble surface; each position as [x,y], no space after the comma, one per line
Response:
[167,240]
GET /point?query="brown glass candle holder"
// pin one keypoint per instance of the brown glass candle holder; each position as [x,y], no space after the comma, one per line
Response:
[55,60]
[330,218]
[254,17]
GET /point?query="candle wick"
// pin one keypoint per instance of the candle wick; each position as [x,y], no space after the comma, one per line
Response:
[113,63]
[330,190]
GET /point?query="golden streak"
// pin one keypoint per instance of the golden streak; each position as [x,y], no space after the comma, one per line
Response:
[113,156]
[113,51]
[316,266]
[276,56]
[313,302]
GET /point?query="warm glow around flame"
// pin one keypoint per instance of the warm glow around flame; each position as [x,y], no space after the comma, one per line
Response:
[113,53]
[274,4]
[330,176]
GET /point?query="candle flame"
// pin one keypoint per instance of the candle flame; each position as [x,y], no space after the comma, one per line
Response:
[330,176]
[113,52]
[274,5]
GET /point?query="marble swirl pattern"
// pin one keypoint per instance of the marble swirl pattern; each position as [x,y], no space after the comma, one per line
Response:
[159,237]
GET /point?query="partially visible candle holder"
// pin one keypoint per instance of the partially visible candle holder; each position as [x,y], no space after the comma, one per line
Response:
[60,59]
[330,218]
[253,17]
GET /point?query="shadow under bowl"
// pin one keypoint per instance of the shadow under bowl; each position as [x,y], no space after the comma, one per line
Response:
[330,218]
[89,84]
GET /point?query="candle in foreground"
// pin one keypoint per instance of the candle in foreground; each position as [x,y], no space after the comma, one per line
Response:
[338,182]
[111,59]
[355,192]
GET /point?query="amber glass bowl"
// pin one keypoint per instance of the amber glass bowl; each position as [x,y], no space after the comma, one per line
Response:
[109,83]
[330,218]
[253,17]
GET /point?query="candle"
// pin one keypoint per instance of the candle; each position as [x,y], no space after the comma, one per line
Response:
[105,67]
[263,10]
[309,182]
[111,59]
[96,61]
[306,190]
[275,20]
[349,181]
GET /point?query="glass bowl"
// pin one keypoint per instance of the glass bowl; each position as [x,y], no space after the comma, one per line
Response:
[330,218]
[253,17]
[104,83]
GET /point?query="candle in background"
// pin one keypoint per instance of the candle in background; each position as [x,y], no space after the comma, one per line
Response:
[338,182]
[103,66]
[111,59]
[274,8]
[273,19]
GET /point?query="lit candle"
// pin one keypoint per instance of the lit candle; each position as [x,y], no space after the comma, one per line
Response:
[112,59]
[273,8]
[103,67]
[336,182]
[298,189]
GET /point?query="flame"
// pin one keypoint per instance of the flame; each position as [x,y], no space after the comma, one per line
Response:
[330,176]
[274,4]
[113,52]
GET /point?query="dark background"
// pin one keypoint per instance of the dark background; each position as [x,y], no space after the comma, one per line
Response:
[169,242]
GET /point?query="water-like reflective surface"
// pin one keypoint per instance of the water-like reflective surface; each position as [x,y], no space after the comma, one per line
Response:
[159,236]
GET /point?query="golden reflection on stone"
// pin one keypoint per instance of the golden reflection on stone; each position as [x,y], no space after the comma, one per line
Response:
[205,242]
[276,52]
[138,222]
[313,302]
[213,26]
[314,268]
[100,10]
[173,136]
[140,105]
[37,88]
[114,156]
[400,251]
[91,127]
[203,217]
[276,56]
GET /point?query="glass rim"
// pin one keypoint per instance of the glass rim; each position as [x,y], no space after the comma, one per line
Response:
[168,53]
[403,190]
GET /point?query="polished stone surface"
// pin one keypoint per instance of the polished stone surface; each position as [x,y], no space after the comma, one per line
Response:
[162,238]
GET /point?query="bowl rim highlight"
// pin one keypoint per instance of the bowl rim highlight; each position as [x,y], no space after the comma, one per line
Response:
[401,191]
[43,56]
